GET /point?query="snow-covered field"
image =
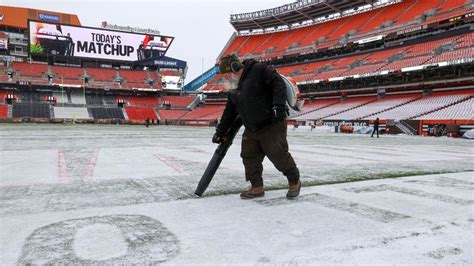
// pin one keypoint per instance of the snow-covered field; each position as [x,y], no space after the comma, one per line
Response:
[124,194]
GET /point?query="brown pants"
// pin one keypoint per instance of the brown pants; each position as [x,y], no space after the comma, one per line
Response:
[271,142]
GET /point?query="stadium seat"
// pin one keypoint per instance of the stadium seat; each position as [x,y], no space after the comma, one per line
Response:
[3,111]
[73,73]
[398,65]
[337,108]
[417,9]
[271,42]
[313,105]
[30,70]
[71,112]
[462,111]
[106,113]
[134,76]
[32,110]
[389,13]
[146,101]
[140,113]
[178,101]
[171,114]
[253,43]
[235,45]
[451,4]
[102,74]
[320,31]
[424,105]
[388,102]
[453,55]
[205,113]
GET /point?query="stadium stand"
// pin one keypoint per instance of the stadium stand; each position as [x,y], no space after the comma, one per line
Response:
[150,101]
[408,56]
[178,101]
[32,96]
[361,65]
[102,74]
[94,99]
[462,110]
[453,55]
[417,9]
[77,97]
[30,70]
[106,113]
[236,43]
[32,110]
[71,112]
[134,76]
[325,34]
[204,113]
[70,73]
[313,105]
[437,100]
[33,72]
[110,100]
[140,113]
[171,114]
[3,111]
[387,103]
[61,97]
[334,109]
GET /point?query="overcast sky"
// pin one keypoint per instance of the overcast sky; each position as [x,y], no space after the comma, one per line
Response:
[201,28]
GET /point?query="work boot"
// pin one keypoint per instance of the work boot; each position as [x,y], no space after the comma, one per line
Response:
[253,192]
[293,189]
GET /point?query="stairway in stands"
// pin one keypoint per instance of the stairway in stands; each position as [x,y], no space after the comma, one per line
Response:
[405,128]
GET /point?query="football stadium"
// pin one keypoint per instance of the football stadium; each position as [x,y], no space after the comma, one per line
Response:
[107,153]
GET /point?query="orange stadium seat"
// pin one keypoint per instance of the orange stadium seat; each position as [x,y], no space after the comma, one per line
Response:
[235,45]
[451,4]
[252,43]
[323,30]
[171,114]
[68,72]
[205,113]
[178,101]
[30,70]
[140,113]
[417,9]
[271,42]
[3,111]
[134,76]
[102,74]
[143,101]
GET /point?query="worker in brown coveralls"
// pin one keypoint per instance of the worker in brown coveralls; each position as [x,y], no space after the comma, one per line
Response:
[258,95]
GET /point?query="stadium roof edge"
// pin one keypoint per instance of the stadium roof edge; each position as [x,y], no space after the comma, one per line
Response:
[296,12]
[17,17]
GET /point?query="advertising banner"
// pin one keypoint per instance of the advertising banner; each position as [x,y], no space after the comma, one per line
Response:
[65,40]
[202,79]
[171,82]
[168,62]
[360,123]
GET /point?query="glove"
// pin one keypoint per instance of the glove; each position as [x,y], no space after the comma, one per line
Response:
[279,113]
[218,138]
